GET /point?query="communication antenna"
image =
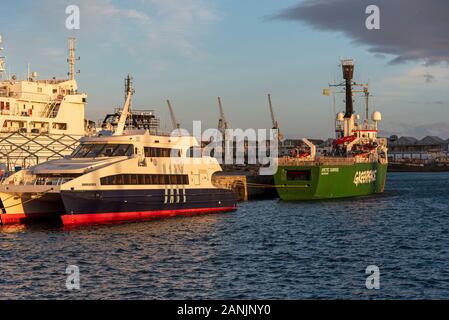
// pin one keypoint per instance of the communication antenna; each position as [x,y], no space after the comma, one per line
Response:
[72,59]
[2,58]
[367,95]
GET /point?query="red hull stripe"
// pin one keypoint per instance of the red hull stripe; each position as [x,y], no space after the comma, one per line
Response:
[21,218]
[101,218]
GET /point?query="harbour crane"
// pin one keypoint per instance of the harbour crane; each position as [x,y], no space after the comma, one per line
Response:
[174,121]
[273,118]
[222,122]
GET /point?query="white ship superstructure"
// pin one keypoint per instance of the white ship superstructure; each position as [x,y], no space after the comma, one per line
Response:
[40,119]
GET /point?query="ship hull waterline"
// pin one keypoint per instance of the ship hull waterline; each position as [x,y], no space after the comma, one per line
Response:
[320,182]
[104,207]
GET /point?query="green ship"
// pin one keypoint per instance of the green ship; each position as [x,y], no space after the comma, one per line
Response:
[355,164]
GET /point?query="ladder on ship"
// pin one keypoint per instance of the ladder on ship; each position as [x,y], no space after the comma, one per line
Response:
[51,109]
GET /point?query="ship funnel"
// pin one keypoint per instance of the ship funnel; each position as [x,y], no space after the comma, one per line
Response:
[348,73]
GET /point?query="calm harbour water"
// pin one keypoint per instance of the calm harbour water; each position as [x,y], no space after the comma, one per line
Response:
[266,250]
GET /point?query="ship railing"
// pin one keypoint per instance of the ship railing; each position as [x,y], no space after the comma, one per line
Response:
[325,160]
[30,96]
[50,181]
[10,112]
[38,181]
[318,161]
[365,126]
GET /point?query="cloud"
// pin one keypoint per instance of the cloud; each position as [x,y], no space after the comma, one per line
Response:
[439,129]
[409,29]
[429,78]
[417,75]
[108,9]
[161,26]
[52,53]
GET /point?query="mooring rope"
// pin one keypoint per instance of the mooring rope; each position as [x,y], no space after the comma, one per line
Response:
[262,185]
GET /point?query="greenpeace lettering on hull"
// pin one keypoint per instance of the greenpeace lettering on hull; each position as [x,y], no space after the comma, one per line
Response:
[365,177]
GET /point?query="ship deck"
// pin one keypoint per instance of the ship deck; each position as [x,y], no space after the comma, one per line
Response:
[323,161]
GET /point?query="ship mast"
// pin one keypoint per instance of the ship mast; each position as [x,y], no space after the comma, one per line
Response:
[126,107]
[366,92]
[2,59]
[72,59]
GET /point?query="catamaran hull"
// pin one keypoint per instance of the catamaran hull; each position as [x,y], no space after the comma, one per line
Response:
[25,218]
[29,208]
[99,207]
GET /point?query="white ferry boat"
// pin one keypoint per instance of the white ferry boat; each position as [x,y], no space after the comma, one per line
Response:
[126,176]
[40,119]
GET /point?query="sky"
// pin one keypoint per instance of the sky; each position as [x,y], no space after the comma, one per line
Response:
[191,51]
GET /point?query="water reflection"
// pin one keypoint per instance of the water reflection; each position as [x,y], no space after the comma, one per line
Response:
[267,249]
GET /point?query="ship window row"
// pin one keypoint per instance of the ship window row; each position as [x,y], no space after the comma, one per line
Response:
[145,179]
[151,152]
[102,150]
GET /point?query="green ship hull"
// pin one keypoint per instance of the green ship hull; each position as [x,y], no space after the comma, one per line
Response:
[329,181]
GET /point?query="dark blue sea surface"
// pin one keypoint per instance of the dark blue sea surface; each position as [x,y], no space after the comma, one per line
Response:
[266,250]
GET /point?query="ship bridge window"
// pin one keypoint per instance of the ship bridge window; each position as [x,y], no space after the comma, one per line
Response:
[298,174]
[151,152]
[145,179]
[95,150]
[103,150]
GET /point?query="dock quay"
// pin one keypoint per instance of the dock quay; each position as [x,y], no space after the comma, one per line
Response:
[236,183]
